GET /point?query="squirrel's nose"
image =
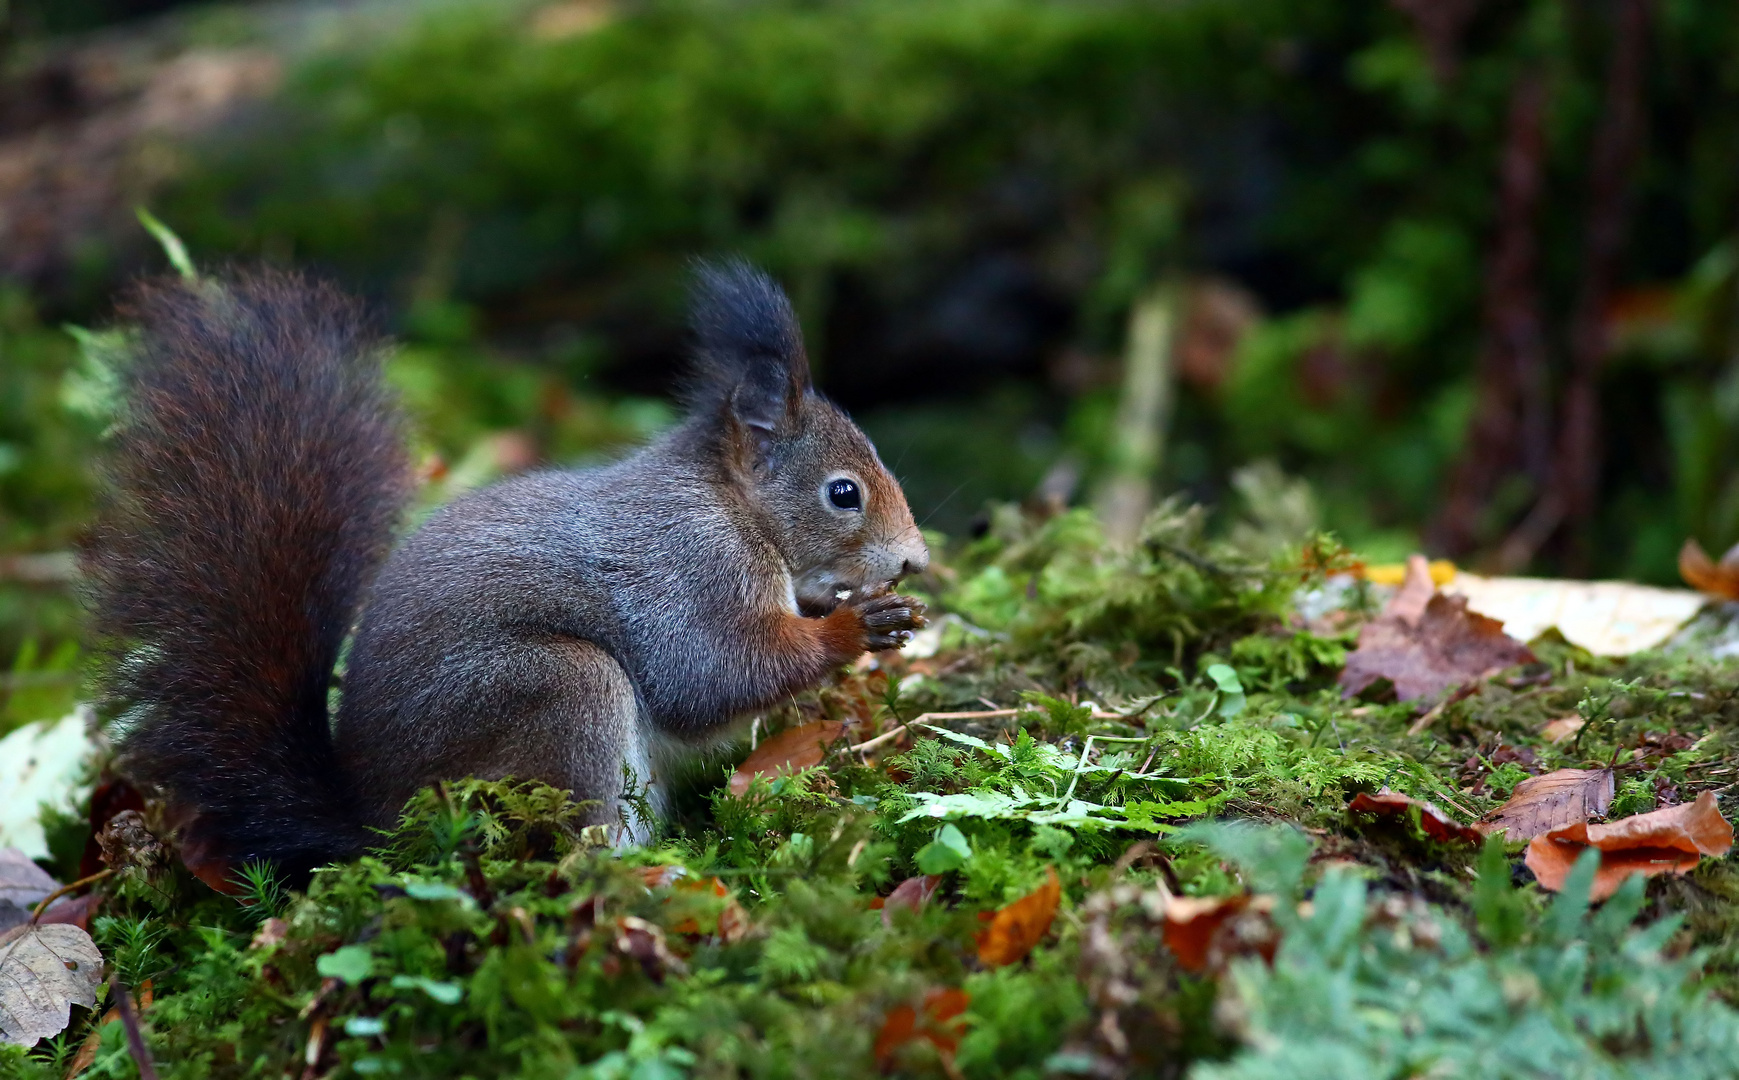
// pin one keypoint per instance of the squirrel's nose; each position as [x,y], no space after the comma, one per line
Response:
[915,564]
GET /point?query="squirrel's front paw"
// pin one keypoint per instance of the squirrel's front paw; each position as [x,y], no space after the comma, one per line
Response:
[889,620]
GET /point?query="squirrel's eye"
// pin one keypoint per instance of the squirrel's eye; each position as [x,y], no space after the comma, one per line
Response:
[844,494]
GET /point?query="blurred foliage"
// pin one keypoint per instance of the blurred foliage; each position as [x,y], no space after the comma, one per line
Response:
[964,200]
[961,193]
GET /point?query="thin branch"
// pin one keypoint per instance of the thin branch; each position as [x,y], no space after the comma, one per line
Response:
[983,714]
[140,1052]
[64,889]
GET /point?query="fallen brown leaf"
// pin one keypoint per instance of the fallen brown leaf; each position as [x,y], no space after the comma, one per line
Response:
[72,910]
[911,894]
[1014,930]
[789,751]
[1437,825]
[1556,731]
[644,943]
[936,1022]
[1670,840]
[1426,643]
[1540,804]
[23,885]
[1705,575]
[87,1051]
[200,852]
[271,933]
[1204,932]
[731,923]
[44,972]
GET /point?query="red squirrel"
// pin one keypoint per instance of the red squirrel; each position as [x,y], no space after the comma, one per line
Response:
[570,626]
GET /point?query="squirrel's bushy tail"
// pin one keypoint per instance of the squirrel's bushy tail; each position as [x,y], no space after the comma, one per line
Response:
[256,475]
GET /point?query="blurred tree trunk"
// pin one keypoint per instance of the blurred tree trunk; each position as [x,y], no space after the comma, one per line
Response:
[1513,432]
[1138,442]
[1511,425]
[1574,489]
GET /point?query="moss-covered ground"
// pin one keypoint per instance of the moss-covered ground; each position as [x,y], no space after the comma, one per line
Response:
[1170,728]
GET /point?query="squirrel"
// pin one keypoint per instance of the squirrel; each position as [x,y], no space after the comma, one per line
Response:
[587,628]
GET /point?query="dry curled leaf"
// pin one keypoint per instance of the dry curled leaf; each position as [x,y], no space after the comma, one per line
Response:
[23,885]
[270,935]
[1540,804]
[911,894]
[937,1022]
[644,943]
[1013,931]
[1705,575]
[1426,643]
[789,751]
[1437,825]
[201,855]
[1204,932]
[44,972]
[1670,840]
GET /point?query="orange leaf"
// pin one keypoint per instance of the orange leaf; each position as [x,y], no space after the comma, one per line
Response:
[1672,839]
[1437,825]
[661,877]
[1426,643]
[935,1023]
[733,921]
[1705,575]
[789,751]
[941,1006]
[897,1030]
[1198,929]
[1014,930]
[1540,804]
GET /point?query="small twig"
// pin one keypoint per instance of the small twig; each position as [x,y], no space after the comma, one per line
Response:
[1206,566]
[135,1037]
[985,714]
[1471,815]
[64,889]
[870,744]
[1149,761]
[20,680]
[1419,725]
[50,568]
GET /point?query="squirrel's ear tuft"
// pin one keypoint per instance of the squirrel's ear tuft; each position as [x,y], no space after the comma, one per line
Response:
[748,347]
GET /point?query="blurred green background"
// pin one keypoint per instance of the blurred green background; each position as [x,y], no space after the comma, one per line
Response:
[1465,268]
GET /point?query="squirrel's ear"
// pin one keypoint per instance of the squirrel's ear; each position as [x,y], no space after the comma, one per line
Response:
[749,351]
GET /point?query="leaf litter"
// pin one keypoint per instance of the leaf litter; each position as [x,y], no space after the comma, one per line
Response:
[1426,643]
[1671,840]
[1024,870]
[1558,799]
[44,972]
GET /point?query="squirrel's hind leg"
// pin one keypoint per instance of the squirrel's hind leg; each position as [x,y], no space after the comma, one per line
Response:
[584,733]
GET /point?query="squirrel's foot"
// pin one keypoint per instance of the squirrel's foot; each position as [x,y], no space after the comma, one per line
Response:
[889,620]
